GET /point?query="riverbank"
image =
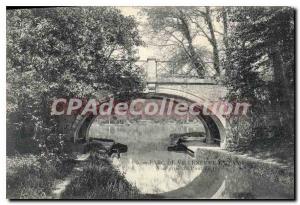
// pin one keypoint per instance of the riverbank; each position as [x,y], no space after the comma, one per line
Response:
[224,175]
[274,171]
[96,178]
[31,177]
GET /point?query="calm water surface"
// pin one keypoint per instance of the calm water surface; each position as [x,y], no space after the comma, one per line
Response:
[153,170]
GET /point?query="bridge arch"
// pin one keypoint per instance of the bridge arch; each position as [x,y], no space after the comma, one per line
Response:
[216,126]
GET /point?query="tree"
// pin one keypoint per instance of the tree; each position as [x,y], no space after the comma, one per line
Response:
[66,52]
[182,31]
[206,15]
[224,15]
[261,68]
[172,28]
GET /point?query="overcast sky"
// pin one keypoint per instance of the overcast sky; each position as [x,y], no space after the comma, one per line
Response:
[148,51]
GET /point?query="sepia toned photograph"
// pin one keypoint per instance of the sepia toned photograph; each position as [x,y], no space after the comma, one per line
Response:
[150,103]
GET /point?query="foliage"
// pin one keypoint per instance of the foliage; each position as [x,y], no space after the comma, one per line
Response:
[188,37]
[261,71]
[100,180]
[65,52]
[32,176]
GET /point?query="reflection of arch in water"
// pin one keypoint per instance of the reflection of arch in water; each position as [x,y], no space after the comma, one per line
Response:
[209,184]
[218,182]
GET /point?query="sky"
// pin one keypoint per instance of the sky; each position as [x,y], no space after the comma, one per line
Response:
[147,51]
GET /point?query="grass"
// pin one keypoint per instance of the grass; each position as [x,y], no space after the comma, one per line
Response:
[33,177]
[100,180]
[277,150]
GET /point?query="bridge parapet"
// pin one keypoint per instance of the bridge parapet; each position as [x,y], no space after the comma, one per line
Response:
[174,80]
[156,78]
[210,92]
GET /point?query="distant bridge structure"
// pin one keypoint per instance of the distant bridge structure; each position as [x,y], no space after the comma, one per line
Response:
[163,82]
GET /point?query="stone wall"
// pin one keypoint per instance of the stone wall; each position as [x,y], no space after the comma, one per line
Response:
[210,92]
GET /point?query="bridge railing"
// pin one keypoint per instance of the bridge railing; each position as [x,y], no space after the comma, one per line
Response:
[157,70]
[164,69]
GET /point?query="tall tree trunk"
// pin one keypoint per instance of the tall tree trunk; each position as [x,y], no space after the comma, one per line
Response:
[279,75]
[281,96]
[194,57]
[225,39]
[225,32]
[213,40]
[196,61]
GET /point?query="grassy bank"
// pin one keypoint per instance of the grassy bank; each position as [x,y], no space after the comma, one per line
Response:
[100,180]
[271,170]
[33,176]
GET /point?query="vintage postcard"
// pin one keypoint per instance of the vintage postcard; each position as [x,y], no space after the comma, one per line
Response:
[150,103]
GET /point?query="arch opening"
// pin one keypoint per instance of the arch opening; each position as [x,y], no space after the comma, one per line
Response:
[214,125]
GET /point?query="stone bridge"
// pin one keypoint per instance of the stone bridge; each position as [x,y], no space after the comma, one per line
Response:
[188,89]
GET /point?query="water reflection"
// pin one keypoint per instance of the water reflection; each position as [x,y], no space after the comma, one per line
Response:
[229,183]
[154,170]
[210,183]
[168,172]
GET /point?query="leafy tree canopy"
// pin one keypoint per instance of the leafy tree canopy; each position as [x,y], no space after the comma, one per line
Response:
[67,52]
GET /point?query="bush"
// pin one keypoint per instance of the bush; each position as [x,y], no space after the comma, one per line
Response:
[260,135]
[242,133]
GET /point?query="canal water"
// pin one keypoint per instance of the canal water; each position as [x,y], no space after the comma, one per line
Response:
[155,171]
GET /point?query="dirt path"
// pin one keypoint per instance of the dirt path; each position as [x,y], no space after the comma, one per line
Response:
[61,185]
